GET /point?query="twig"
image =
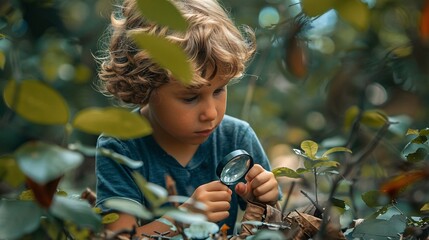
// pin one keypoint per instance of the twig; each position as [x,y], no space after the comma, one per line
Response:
[252,85]
[172,191]
[359,159]
[316,205]
[288,196]
[315,185]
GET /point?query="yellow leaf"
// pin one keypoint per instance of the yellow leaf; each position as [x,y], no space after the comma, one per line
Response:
[425,207]
[78,233]
[167,54]
[374,118]
[112,121]
[314,8]
[355,12]
[350,115]
[371,118]
[27,195]
[36,102]
[310,148]
[61,193]
[2,60]
[336,149]
[97,210]
[10,172]
[412,132]
[404,51]
[110,218]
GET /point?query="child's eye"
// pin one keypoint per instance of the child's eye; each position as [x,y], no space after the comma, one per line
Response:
[190,99]
[219,90]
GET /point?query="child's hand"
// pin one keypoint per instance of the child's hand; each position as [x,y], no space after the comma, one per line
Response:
[260,186]
[217,197]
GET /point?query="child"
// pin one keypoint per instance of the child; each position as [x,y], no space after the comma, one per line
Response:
[191,133]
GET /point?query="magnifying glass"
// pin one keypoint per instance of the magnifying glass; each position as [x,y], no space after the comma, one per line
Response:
[234,166]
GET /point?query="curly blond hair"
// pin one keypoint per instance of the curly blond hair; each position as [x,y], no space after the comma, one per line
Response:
[213,44]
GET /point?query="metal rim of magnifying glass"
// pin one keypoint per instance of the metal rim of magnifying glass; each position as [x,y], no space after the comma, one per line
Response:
[227,159]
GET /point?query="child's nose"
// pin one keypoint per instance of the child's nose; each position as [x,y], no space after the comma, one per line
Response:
[209,111]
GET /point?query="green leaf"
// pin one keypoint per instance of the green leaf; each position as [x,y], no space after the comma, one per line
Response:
[185,216]
[163,12]
[355,12]
[314,8]
[120,158]
[112,121]
[159,191]
[374,198]
[285,172]
[44,162]
[417,156]
[338,203]
[265,233]
[154,199]
[424,132]
[415,152]
[36,102]
[335,149]
[10,172]
[170,224]
[420,139]
[130,207]
[51,231]
[324,163]
[85,150]
[18,218]
[310,148]
[202,230]
[303,170]
[299,153]
[91,151]
[308,164]
[378,229]
[167,54]
[76,211]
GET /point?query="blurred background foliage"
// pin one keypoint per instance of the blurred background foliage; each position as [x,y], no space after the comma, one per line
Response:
[309,69]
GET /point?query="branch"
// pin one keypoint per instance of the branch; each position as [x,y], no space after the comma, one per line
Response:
[359,160]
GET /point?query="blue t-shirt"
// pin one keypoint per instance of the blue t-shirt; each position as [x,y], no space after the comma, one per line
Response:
[115,180]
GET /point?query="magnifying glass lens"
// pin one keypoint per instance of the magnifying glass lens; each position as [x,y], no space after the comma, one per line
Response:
[234,167]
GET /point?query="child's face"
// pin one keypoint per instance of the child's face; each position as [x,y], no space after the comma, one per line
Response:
[180,115]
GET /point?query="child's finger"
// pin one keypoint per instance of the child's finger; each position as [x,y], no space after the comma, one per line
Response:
[265,188]
[241,189]
[253,172]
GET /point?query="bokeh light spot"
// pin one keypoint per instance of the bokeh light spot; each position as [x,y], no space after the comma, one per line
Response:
[268,17]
